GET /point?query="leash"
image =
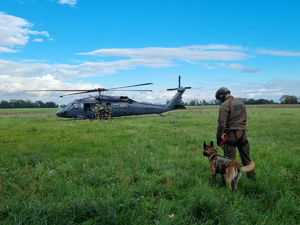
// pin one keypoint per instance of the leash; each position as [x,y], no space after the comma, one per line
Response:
[224,139]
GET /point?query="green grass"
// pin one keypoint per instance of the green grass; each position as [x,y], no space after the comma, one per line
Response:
[27,109]
[144,170]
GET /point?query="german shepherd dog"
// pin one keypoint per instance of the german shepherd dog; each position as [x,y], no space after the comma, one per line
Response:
[221,164]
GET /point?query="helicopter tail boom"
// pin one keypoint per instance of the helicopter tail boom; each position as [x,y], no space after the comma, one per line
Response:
[175,102]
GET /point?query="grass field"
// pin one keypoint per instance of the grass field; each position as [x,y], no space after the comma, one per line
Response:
[144,170]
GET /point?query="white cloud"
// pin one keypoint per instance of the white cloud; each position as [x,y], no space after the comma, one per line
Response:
[197,52]
[207,66]
[7,50]
[16,69]
[38,40]
[47,77]
[14,87]
[235,66]
[15,31]
[250,70]
[68,2]
[279,53]
[270,89]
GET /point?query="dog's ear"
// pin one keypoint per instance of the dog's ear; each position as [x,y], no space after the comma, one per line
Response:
[212,143]
[204,145]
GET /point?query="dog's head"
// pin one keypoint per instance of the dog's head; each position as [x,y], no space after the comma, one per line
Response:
[208,150]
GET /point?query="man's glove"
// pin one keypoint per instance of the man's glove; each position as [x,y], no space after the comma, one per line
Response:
[219,140]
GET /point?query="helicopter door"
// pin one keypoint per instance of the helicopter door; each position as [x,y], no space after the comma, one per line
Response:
[88,110]
[87,107]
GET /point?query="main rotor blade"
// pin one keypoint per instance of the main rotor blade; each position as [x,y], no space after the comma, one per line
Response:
[130,86]
[129,90]
[81,91]
[77,93]
[56,90]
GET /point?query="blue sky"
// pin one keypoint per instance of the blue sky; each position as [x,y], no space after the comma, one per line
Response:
[250,47]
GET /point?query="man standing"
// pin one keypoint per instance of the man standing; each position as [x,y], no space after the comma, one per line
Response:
[232,121]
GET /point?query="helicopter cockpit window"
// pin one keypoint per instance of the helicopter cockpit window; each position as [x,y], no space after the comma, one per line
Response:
[69,105]
[124,98]
[74,106]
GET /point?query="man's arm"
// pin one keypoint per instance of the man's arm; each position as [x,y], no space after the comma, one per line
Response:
[222,120]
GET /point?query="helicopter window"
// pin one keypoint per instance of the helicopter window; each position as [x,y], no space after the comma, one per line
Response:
[74,106]
[69,105]
[124,98]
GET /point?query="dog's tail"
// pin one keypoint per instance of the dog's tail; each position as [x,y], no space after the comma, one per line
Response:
[249,167]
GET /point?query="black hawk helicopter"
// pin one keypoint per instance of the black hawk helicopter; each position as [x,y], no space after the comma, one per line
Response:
[116,106]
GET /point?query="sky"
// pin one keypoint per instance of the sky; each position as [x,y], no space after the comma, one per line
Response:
[250,47]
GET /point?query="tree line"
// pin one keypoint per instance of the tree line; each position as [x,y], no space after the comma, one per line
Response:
[285,99]
[14,103]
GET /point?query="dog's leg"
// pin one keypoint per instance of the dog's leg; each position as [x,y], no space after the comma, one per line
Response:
[223,179]
[239,174]
[228,181]
[212,166]
[214,175]
[229,177]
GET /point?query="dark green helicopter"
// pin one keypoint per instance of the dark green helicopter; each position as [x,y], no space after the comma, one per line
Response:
[87,108]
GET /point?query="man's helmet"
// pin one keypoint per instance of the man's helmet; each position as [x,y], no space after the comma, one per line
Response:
[221,93]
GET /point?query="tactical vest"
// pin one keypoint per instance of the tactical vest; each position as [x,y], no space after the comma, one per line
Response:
[221,164]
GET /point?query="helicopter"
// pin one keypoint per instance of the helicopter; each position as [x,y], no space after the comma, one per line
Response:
[116,106]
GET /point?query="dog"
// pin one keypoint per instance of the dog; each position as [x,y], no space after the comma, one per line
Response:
[221,164]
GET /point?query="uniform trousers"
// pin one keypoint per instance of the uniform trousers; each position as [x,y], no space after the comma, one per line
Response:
[238,139]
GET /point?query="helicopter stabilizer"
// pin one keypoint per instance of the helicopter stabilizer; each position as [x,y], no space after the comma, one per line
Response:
[180,89]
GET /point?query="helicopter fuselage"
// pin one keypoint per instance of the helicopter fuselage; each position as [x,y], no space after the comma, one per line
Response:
[85,108]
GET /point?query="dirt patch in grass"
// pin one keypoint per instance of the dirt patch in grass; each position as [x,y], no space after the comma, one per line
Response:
[29,112]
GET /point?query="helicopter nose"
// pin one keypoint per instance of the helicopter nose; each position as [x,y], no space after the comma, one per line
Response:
[59,113]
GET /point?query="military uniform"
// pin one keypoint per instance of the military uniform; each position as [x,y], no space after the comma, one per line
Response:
[109,112]
[232,120]
[97,113]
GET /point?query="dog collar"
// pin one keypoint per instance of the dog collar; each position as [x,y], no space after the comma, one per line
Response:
[208,155]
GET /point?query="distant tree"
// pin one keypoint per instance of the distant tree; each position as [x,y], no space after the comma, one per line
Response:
[288,99]
[19,103]
[214,102]
[250,101]
[242,99]
[4,104]
[192,102]
[51,105]
[204,102]
[262,101]
[39,104]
